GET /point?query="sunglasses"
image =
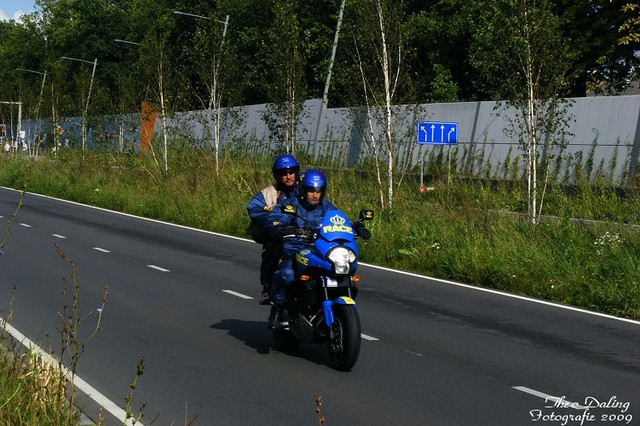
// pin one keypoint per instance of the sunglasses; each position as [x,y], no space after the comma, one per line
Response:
[287,172]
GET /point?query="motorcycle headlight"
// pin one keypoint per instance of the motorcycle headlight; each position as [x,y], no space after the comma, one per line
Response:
[342,258]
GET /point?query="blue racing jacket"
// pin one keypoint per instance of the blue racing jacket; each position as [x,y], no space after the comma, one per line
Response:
[277,220]
[259,208]
[263,202]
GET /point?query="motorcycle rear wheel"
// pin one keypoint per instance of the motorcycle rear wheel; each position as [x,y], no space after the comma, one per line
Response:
[343,340]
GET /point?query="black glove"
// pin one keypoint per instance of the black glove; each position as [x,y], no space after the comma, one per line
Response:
[310,232]
[362,231]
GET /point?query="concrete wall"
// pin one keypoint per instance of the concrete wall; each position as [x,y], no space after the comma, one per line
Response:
[603,138]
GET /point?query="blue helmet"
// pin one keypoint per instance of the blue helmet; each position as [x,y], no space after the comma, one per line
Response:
[312,179]
[285,162]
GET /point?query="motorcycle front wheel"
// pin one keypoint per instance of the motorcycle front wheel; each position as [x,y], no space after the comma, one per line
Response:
[343,340]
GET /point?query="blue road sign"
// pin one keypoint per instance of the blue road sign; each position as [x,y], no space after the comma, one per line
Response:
[437,133]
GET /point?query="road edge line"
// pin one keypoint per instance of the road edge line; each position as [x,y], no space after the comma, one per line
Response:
[77,381]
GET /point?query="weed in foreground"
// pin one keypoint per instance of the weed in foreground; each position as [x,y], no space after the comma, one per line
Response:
[319,402]
[128,399]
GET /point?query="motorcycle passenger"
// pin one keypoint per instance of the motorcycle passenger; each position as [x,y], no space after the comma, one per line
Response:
[285,173]
[310,207]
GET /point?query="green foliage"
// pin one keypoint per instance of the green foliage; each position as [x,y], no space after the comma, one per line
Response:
[440,50]
[598,59]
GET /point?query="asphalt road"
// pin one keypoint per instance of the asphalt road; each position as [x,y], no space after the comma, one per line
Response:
[433,352]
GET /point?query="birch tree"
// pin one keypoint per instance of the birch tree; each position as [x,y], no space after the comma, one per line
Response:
[520,49]
[207,50]
[379,38]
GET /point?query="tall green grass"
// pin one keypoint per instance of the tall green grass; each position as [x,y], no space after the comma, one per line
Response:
[32,392]
[584,253]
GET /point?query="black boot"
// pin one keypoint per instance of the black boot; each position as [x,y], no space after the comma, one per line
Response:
[265,299]
[278,319]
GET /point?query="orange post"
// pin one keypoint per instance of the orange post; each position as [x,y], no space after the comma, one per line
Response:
[147,122]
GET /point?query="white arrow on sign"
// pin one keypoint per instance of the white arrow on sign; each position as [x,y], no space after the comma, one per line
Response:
[452,130]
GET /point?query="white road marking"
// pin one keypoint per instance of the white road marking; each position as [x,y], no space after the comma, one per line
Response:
[367,337]
[26,225]
[59,236]
[157,268]
[102,250]
[85,387]
[240,295]
[560,401]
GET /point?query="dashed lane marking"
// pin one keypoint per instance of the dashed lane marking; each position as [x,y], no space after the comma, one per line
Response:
[158,268]
[240,295]
[550,398]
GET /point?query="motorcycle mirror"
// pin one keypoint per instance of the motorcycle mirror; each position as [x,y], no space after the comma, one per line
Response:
[366,214]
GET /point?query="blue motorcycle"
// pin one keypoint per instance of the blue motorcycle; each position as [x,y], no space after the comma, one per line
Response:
[322,305]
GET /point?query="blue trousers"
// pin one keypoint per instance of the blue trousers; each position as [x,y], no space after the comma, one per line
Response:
[283,279]
[271,253]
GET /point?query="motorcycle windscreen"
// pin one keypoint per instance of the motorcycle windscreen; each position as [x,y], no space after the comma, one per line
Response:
[335,225]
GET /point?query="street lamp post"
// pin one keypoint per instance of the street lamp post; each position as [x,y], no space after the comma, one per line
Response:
[142,147]
[214,98]
[44,78]
[193,15]
[86,108]
[121,130]
[325,93]
[225,22]
[118,40]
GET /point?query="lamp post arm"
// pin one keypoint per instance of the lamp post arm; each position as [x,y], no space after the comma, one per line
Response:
[177,12]
[118,40]
[93,73]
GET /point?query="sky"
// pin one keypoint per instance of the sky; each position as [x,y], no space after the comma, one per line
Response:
[12,9]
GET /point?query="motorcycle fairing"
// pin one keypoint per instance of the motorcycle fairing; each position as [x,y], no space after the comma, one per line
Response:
[323,246]
[327,306]
[335,225]
[315,260]
[334,229]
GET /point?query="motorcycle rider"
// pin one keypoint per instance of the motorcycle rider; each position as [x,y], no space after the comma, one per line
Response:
[310,207]
[285,173]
